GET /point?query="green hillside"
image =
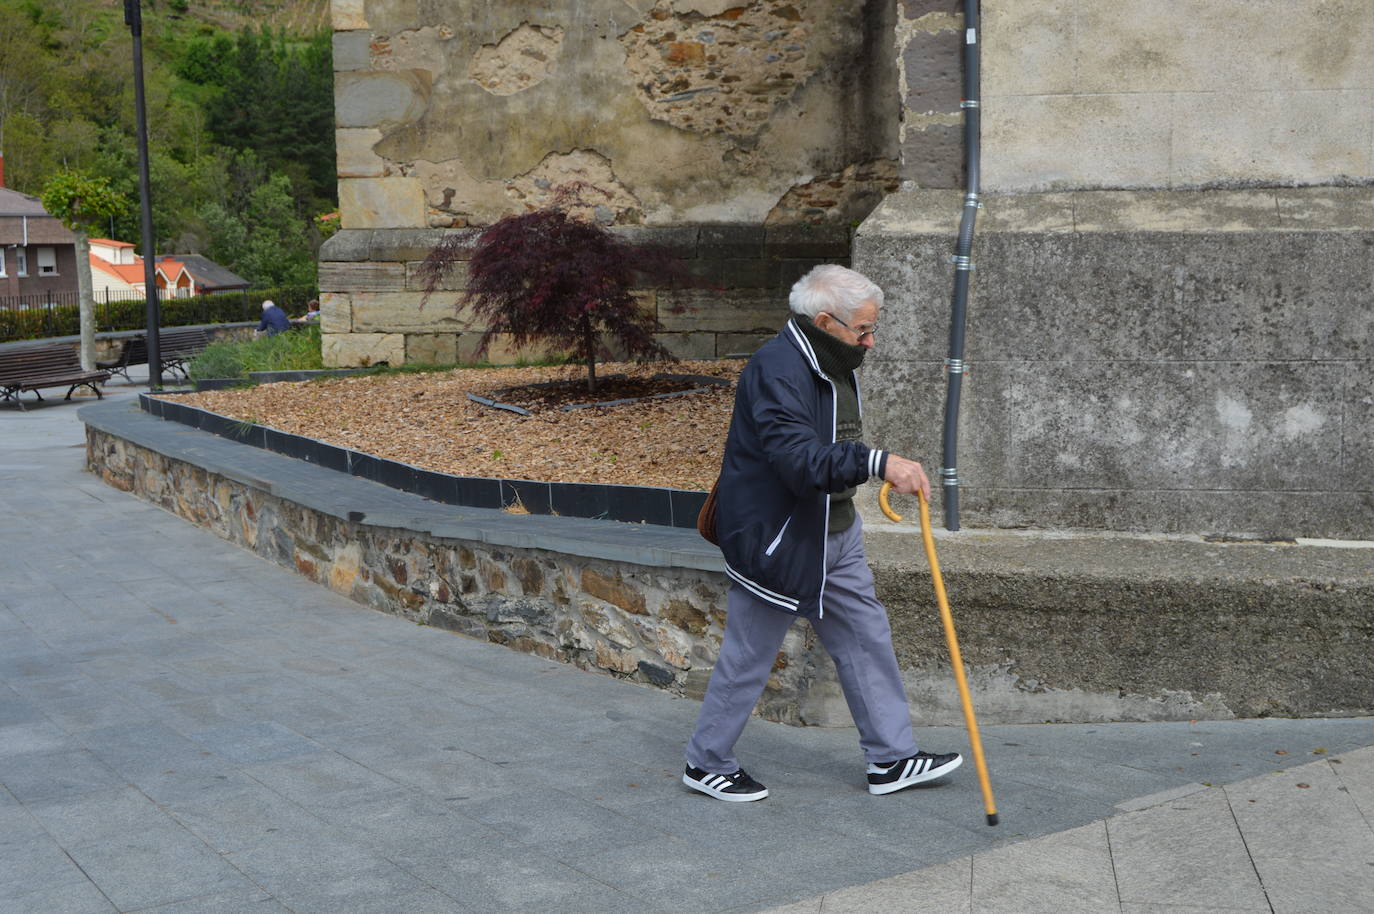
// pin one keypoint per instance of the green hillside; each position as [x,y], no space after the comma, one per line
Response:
[240,120]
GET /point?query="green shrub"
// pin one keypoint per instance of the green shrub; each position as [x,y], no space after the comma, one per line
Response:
[294,350]
[131,314]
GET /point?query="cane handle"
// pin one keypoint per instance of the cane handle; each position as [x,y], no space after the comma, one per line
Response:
[887,505]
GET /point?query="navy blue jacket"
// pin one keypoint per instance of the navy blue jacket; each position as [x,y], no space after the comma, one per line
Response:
[781,464]
[274,320]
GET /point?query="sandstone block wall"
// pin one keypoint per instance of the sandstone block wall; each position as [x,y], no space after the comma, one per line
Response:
[1188,93]
[371,307]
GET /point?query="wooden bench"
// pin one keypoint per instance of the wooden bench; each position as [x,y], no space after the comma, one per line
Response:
[134,351]
[178,346]
[45,366]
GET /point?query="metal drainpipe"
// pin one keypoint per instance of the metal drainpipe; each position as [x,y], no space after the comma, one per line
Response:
[963,265]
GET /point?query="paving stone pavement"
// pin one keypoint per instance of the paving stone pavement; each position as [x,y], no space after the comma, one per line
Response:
[187,728]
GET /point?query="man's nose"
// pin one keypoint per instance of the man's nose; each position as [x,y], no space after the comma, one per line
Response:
[868,342]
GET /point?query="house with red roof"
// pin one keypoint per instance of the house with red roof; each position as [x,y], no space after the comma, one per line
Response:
[118,273]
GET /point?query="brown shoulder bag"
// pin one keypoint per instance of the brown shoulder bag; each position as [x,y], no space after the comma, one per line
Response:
[706,518]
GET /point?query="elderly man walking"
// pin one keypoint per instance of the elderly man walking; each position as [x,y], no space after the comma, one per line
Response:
[793,543]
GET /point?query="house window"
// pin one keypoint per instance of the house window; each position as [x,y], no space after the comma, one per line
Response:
[2,262]
[21,261]
[47,262]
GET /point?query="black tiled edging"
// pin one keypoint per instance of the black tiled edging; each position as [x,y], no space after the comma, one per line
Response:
[632,504]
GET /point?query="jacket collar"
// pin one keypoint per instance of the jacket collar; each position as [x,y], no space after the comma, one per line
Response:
[794,333]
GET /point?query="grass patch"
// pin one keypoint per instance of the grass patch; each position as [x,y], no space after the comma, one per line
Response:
[294,350]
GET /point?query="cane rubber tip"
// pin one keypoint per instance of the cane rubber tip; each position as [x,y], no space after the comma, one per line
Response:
[992,818]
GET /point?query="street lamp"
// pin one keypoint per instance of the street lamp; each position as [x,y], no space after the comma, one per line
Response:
[133,18]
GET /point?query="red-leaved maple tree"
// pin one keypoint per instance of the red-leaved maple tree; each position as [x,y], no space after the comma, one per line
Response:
[549,277]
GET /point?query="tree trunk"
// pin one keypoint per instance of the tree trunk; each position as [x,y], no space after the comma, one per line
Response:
[589,347]
[86,299]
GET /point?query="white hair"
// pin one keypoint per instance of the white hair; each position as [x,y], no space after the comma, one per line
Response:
[834,289]
[267,304]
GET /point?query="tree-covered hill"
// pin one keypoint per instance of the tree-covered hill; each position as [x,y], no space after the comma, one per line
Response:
[240,120]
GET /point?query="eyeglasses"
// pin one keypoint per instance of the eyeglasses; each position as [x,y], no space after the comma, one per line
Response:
[871,331]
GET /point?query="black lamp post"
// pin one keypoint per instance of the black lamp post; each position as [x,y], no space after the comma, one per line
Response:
[133,18]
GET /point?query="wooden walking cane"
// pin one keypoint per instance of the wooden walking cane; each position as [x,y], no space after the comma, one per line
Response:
[977,744]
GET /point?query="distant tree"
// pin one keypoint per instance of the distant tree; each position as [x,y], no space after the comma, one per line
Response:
[265,241]
[545,276]
[82,202]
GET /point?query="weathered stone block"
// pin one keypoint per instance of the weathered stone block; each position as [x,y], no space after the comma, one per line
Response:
[381,202]
[1029,48]
[689,345]
[685,616]
[933,156]
[615,591]
[380,98]
[360,350]
[362,277]
[681,240]
[432,348]
[336,313]
[722,240]
[403,312]
[730,311]
[932,64]
[354,155]
[1231,133]
[454,280]
[608,658]
[347,245]
[352,50]
[807,241]
[915,9]
[502,350]
[731,345]
[1358,410]
[413,244]
[348,14]
[1053,142]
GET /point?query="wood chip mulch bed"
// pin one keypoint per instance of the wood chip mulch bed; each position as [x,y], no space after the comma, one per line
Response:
[428,421]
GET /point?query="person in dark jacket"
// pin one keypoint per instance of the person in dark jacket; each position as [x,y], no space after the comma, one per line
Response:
[274,319]
[793,543]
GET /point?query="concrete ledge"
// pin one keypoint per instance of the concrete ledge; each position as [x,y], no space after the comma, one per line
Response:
[1173,362]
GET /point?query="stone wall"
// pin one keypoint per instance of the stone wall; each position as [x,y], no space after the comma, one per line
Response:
[714,125]
[372,309]
[1189,93]
[681,111]
[1186,362]
[659,626]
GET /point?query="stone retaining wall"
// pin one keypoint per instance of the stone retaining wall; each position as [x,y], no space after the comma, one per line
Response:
[1052,628]
[659,626]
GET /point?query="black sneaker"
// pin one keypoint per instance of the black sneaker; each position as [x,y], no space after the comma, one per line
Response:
[919,768]
[734,788]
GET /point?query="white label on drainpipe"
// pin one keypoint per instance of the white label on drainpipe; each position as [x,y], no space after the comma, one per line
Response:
[970,36]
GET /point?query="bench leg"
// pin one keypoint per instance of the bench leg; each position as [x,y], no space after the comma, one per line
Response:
[90,384]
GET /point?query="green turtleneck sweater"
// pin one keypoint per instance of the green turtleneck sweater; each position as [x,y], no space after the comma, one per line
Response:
[839,360]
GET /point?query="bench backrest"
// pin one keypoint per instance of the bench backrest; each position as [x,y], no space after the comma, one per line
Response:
[39,361]
[182,340]
[135,351]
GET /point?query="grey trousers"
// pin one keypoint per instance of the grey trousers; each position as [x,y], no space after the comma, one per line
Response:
[855,632]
